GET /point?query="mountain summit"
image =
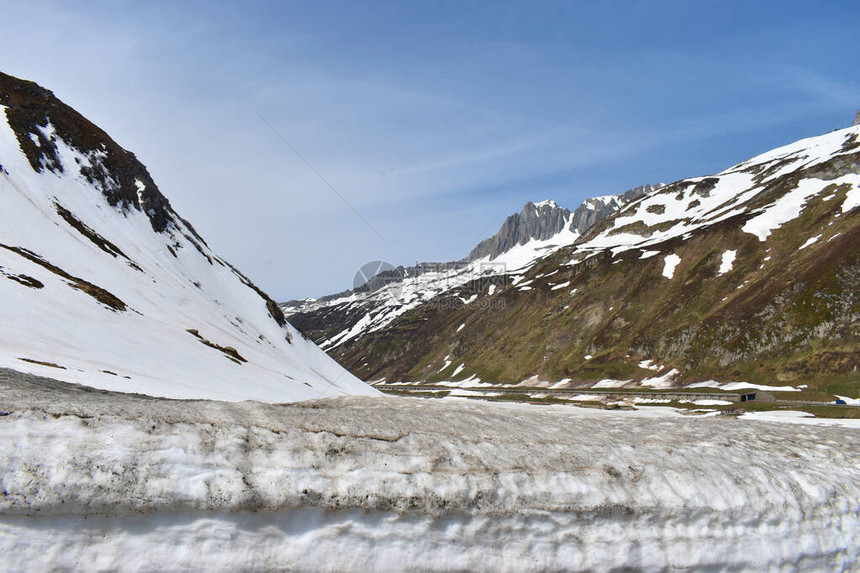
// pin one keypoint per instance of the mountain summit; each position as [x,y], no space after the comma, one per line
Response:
[536,221]
[546,220]
[104,284]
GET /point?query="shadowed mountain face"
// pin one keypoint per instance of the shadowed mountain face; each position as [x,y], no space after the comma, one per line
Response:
[109,287]
[751,274]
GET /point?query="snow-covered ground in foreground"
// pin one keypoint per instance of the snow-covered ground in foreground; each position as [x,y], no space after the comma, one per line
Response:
[101,481]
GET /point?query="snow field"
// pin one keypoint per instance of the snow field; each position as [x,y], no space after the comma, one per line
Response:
[393,483]
[732,190]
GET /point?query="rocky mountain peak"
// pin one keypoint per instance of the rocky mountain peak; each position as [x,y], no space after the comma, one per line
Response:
[856,118]
[595,209]
[538,221]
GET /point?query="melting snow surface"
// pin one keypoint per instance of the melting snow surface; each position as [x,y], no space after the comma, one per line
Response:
[710,402]
[809,241]
[852,198]
[661,382]
[380,484]
[732,386]
[785,208]
[609,383]
[796,417]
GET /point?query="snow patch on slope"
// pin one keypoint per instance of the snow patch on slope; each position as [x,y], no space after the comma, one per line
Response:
[661,382]
[732,386]
[677,210]
[726,262]
[670,262]
[784,209]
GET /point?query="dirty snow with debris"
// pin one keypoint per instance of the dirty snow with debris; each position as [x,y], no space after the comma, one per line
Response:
[101,482]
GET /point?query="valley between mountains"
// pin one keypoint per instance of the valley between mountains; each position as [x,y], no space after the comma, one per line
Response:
[160,411]
[748,275]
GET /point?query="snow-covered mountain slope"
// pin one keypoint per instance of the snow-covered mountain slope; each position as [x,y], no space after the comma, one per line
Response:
[104,482]
[828,162]
[537,231]
[750,275]
[103,284]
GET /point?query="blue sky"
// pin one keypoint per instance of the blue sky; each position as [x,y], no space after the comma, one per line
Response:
[433,119]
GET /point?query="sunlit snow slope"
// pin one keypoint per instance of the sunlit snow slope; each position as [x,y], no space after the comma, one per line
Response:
[103,284]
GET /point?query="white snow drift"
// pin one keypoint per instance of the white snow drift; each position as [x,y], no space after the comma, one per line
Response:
[107,482]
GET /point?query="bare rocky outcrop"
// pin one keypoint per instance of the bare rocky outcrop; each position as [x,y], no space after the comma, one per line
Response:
[37,116]
[536,221]
[541,221]
[596,209]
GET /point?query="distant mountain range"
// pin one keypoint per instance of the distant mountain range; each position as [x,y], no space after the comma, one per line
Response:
[525,237]
[102,283]
[751,274]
